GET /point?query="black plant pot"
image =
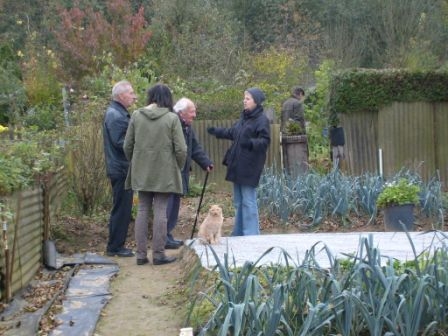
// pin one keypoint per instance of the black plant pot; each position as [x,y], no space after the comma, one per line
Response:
[399,217]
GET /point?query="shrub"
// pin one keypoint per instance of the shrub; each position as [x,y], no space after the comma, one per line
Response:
[40,78]
[86,167]
[44,117]
[26,161]
[84,33]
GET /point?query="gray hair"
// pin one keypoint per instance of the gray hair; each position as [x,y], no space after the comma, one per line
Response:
[182,104]
[120,87]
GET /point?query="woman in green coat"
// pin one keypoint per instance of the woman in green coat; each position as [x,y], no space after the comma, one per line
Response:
[156,149]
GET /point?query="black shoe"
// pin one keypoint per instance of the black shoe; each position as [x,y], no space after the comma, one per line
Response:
[142,261]
[123,252]
[163,260]
[180,242]
[171,245]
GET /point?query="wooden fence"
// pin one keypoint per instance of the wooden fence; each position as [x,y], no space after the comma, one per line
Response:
[216,148]
[410,135]
[34,210]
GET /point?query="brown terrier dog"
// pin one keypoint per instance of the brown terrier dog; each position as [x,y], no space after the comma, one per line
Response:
[210,229]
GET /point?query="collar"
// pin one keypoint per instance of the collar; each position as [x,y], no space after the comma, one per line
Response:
[116,102]
[251,114]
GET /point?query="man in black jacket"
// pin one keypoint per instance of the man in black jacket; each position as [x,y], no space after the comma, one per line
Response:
[186,110]
[115,125]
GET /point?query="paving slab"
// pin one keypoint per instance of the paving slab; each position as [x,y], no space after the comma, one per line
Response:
[250,248]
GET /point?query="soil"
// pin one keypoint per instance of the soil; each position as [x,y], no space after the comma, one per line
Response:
[149,300]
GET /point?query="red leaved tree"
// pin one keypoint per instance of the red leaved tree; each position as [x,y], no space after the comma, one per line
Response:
[86,37]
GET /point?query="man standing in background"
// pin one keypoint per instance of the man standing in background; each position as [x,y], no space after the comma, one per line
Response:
[116,121]
[294,154]
[293,111]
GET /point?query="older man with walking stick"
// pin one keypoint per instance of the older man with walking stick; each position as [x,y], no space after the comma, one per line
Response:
[186,110]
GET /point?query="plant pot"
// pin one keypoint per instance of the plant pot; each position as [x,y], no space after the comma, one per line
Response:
[295,154]
[396,216]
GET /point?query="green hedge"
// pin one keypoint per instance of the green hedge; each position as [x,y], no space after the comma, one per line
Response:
[368,90]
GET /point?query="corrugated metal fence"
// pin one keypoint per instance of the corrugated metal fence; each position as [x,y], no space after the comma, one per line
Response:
[22,245]
[216,148]
[410,135]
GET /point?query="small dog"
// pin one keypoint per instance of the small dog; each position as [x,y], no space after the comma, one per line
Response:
[210,229]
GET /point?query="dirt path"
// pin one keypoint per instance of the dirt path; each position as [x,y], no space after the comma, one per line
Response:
[144,300]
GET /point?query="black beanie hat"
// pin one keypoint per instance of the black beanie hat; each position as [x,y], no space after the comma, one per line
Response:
[257,95]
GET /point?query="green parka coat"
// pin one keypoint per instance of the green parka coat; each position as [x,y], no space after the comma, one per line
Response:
[155,147]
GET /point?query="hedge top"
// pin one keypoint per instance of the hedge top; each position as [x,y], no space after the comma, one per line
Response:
[368,90]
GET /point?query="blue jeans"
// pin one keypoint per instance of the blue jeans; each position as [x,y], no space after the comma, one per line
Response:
[246,211]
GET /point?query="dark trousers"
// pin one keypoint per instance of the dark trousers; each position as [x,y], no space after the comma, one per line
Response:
[172,214]
[120,216]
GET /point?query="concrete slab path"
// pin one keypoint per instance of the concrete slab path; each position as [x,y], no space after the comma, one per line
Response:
[250,248]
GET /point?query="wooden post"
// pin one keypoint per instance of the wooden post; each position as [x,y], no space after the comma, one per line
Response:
[7,282]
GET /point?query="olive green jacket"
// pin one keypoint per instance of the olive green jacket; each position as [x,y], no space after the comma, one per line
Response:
[155,146]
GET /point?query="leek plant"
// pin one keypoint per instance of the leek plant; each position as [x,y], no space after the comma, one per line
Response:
[364,294]
[312,197]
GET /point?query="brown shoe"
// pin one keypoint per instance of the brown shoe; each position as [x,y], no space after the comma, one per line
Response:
[163,260]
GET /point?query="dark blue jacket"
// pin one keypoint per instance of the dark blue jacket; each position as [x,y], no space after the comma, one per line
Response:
[246,156]
[195,152]
[116,121]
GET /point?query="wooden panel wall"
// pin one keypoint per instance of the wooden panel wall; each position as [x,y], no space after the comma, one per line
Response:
[360,142]
[410,135]
[406,136]
[441,141]
[25,233]
[24,237]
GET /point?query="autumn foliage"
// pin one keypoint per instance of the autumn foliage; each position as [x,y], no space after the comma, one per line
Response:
[86,36]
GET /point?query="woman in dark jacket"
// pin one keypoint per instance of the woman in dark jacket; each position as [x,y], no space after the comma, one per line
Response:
[245,160]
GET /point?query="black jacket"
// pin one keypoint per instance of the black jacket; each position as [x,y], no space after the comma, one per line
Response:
[195,152]
[246,156]
[116,121]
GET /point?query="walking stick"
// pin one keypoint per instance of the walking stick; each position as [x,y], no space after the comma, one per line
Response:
[199,206]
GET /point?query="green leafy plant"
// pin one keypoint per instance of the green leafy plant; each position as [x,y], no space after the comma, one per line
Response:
[294,128]
[26,161]
[398,193]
